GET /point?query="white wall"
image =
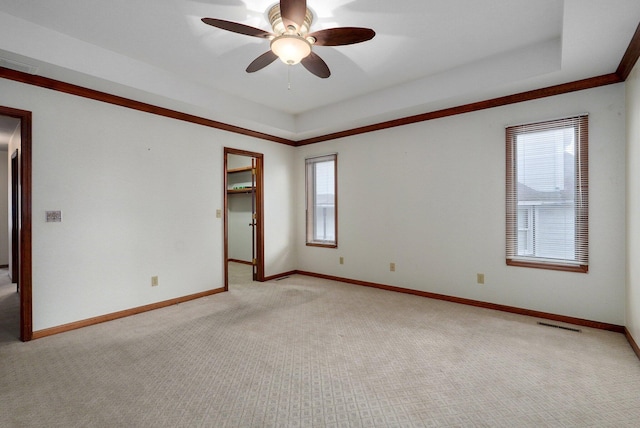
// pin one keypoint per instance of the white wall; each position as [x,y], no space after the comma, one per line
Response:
[138,195]
[430,197]
[633,203]
[139,192]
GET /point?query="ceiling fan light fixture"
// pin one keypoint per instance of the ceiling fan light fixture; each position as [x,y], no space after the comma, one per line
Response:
[290,39]
[290,48]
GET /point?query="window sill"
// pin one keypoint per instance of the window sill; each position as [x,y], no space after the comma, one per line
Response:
[318,244]
[549,266]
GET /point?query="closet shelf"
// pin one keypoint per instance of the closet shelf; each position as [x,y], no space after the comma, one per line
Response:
[236,191]
[242,169]
[238,177]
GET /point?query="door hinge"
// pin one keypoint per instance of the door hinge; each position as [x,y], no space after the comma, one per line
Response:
[254,262]
[253,171]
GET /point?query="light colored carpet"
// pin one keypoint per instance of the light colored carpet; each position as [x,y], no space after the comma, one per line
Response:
[9,312]
[240,274]
[309,352]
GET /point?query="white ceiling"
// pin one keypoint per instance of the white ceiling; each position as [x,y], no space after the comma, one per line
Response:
[427,55]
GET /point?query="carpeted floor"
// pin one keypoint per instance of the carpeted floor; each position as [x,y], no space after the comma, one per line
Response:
[309,352]
[9,312]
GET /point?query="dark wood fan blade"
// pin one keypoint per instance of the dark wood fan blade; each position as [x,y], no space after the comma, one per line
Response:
[293,12]
[262,61]
[316,65]
[237,28]
[342,36]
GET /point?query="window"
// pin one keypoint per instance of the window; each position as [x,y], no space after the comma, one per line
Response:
[321,201]
[547,195]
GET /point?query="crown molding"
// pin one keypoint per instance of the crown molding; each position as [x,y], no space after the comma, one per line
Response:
[69,88]
[624,69]
[630,57]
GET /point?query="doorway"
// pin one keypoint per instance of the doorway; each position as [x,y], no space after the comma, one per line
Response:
[20,215]
[243,213]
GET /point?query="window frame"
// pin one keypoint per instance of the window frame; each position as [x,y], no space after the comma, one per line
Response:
[580,124]
[310,189]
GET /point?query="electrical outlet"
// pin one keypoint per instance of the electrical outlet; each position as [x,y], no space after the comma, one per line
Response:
[154,281]
[218,213]
[341,260]
[480,278]
[392,267]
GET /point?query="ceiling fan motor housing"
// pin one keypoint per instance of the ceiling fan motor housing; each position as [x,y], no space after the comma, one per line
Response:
[275,19]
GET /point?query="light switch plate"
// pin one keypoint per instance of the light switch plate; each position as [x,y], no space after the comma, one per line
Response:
[54,216]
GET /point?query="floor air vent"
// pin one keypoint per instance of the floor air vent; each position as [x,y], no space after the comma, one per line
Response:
[577,330]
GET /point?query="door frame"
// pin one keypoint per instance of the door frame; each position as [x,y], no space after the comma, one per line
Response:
[15,217]
[25,184]
[259,201]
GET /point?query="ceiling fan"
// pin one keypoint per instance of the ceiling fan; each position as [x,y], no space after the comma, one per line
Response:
[291,40]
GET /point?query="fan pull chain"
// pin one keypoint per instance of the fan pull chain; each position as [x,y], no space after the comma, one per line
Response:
[288,78]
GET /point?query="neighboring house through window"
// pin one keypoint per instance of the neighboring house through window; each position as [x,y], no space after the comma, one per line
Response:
[547,194]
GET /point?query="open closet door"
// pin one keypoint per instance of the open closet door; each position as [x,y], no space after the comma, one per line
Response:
[15,220]
[243,205]
[254,217]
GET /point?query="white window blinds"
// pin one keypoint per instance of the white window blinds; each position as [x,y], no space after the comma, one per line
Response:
[322,228]
[547,194]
